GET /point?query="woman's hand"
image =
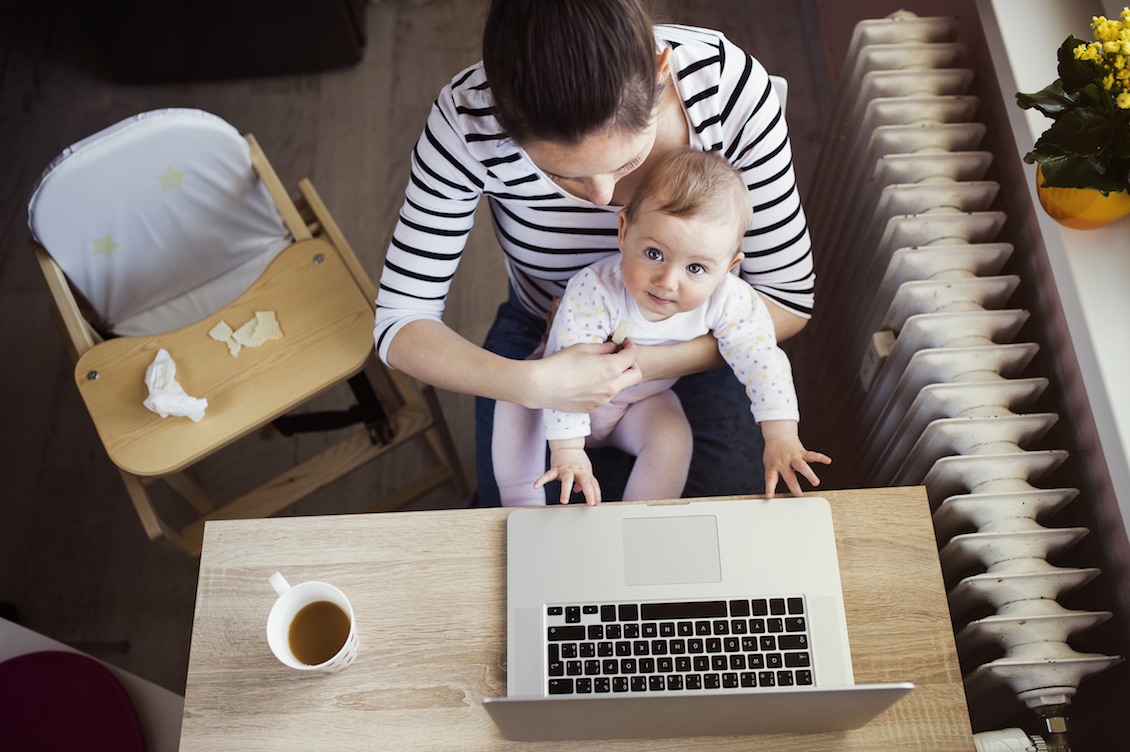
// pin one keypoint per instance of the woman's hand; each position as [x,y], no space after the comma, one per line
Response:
[581,378]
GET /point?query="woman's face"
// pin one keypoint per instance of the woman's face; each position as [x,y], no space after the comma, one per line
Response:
[592,168]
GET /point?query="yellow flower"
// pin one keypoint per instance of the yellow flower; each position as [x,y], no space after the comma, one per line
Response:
[1106,31]
[1090,51]
[1123,101]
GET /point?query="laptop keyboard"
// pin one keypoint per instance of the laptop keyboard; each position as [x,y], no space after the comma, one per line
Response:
[672,647]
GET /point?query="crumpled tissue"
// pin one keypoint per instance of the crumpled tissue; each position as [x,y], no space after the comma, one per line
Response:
[166,395]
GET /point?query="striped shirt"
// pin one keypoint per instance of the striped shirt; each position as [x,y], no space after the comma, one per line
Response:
[546,233]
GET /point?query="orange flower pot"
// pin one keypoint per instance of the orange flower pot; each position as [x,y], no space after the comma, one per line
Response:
[1081,208]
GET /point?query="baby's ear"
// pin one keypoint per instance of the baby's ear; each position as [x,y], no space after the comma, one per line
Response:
[738,256]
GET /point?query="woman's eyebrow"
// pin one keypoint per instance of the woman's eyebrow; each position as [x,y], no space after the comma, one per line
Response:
[624,166]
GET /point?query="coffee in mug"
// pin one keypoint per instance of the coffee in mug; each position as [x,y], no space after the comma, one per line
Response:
[311,626]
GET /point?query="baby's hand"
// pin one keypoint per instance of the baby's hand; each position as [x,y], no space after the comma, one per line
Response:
[785,457]
[571,466]
[788,468]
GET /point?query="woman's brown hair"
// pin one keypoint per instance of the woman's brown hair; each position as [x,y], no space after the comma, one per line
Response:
[561,70]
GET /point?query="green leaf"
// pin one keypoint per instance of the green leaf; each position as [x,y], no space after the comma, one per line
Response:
[1077,172]
[1052,100]
[1084,131]
[1075,74]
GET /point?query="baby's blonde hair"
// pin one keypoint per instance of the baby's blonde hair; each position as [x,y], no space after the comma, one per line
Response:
[692,183]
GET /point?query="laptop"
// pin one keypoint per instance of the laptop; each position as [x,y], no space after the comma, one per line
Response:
[703,618]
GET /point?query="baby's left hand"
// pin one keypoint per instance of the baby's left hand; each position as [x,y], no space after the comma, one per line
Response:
[785,457]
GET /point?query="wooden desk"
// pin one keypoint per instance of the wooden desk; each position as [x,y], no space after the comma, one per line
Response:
[421,673]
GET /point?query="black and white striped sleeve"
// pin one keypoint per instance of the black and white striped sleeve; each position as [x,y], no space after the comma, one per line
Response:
[443,191]
[734,109]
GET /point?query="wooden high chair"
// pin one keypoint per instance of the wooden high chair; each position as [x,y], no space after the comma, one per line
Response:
[153,231]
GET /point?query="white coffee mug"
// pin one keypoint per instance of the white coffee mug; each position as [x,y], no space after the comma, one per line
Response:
[291,600]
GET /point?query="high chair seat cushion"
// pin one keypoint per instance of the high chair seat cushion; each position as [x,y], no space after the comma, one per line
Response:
[159,220]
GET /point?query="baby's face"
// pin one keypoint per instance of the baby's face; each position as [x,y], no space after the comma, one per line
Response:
[673,264]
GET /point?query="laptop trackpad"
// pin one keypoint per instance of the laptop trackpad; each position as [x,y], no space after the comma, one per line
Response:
[671,550]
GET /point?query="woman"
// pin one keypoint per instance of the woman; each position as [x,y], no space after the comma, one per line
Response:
[572,101]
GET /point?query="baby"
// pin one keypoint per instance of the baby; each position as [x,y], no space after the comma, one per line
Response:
[679,238]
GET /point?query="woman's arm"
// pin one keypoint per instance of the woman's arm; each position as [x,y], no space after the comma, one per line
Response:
[578,379]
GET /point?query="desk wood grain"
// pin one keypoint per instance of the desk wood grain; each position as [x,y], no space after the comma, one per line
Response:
[428,589]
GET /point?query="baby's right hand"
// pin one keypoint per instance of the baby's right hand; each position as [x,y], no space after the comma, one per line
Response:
[574,469]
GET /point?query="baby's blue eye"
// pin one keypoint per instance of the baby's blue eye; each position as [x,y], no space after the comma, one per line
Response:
[652,254]
[696,269]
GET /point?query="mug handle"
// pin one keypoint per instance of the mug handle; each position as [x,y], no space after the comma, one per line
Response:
[279,583]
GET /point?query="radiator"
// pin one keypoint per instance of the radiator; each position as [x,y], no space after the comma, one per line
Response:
[912,298]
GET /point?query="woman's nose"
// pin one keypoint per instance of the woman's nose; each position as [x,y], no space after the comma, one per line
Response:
[600,189]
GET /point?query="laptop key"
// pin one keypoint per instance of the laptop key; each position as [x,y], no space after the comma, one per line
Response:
[804,677]
[796,660]
[796,605]
[572,614]
[795,624]
[601,684]
[573,633]
[739,608]
[693,681]
[793,642]
[619,684]
[712,681]
[584,686]
[608,613]
[561,686]
[639,684]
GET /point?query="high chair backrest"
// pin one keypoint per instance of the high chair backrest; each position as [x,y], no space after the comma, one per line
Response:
[159,220]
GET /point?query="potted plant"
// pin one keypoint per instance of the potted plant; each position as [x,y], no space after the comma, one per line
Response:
[1083,158]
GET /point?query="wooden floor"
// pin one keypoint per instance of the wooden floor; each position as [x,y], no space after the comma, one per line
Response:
[73,557]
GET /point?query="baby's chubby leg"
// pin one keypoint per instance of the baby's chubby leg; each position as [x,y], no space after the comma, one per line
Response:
[656,431]
[518,449]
